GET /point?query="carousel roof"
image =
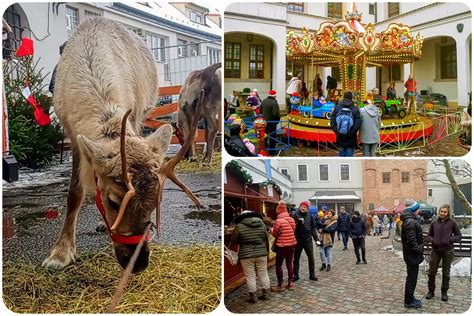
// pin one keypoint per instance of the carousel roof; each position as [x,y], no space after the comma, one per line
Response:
[350,38]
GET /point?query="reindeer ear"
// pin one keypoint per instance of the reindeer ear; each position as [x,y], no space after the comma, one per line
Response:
[90,149]
[160,140]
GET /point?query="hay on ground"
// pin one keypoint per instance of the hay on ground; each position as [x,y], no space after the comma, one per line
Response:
[195,166]
[178,280]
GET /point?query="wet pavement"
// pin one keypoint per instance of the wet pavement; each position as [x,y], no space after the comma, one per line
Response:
[34,210]
[376,287]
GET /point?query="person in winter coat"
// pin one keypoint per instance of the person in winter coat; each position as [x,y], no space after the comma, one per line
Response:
[370,224]
[234,144]
[327,240]
[251,235]
[284,233]
[271,113]
[346,143]
[358,231]
[371,120]
[444,232]
[412,244]
[343,225]
[305,233]
[233,102]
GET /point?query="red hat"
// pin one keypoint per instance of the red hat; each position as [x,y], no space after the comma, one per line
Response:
[305,203]
[295,94]
[272,93]
[281,208]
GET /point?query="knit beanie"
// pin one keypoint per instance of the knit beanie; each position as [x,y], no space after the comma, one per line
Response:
[320,214]
[411,206]
[281,208]
[305,203]
[348,95]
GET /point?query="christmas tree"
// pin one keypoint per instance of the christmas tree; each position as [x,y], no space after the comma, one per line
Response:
[33,138]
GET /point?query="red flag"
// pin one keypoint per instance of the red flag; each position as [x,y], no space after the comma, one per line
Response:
[26,47]
[41,118]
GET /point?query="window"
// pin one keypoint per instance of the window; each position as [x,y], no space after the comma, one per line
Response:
[195,49]
[386,177]
[323,172]
[214,55]
[395,73]
[295,7]
[345,172]
[372,8]
[292,69]
[302,173]
[195,16]
[448,62]
[348,206]
[182,48]
[405,177]
[72,20]
[335,10]
[393,9]
[430,192]
[371,206]
[284,171]
[13,19]
[256,61]
[232,60]
[157,44]
[89,14]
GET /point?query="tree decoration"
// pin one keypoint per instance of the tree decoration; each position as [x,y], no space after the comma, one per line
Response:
[239,171]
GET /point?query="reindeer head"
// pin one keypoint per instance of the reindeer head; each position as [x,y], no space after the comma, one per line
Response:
[130,176]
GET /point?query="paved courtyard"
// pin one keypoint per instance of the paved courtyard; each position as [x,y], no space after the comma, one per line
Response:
[377,287]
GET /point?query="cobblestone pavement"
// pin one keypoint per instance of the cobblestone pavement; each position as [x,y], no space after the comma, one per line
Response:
[377,287]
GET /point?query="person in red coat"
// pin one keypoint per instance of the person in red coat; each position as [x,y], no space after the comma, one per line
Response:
[284,233]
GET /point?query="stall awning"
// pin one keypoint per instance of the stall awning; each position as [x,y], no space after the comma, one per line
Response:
[335,196]
[241,195]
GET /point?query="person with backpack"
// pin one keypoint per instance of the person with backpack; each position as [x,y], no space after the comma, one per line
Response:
[371,119]
[345,122]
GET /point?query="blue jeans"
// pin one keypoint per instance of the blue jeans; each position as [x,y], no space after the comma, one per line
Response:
[345,237]
[346,152]
[326,254]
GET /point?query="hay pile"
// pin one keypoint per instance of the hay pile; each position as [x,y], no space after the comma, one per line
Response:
[178,280]
[195,166]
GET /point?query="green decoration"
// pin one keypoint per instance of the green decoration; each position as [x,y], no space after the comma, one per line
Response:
[239,171]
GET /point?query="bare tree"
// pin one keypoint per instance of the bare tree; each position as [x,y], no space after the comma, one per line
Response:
[445,171]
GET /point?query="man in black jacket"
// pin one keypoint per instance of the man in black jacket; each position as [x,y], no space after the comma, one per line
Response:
[271,114]
[412,244]
[343,222]
[305,231]
[234,144]
[346,143]
[358,231]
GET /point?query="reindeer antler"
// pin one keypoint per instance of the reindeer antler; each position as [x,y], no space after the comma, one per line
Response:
[126,177]
[168,169]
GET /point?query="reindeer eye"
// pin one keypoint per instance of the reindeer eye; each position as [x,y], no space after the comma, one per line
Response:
[113,204]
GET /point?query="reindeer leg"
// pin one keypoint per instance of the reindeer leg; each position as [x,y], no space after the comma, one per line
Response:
[173,177]
[211,131]
[64,251]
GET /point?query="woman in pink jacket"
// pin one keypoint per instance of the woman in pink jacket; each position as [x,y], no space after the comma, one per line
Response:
[284,232]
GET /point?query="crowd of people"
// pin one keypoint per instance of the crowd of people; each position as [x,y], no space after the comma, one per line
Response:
[298,230]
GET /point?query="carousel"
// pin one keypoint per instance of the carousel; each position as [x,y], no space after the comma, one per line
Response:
[352,47]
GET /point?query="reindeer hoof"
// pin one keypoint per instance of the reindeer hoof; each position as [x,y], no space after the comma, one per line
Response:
[192,159]
[206,164]
[58,261]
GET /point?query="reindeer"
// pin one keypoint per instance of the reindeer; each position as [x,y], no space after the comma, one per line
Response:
[209,80]
[106,78]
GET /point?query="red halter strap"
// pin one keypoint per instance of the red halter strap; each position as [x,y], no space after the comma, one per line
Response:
[117,238]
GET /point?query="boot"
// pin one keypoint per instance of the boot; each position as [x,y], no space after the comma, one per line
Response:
[444,296]
[313,278]
[323,266]
[252,297]
[264,295]
[328,268]
[291,285]
[430,295]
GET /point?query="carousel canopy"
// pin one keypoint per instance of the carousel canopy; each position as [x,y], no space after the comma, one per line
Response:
[381,208]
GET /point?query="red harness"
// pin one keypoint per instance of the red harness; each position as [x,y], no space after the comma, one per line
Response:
[117,238]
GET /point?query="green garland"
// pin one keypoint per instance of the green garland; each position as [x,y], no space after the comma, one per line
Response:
[239,171]
[275,186]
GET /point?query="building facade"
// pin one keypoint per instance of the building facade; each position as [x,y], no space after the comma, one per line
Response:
[255,45]
[329,183]
[183,37]
[391,182]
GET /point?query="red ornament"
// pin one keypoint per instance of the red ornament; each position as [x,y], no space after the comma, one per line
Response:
[26,47]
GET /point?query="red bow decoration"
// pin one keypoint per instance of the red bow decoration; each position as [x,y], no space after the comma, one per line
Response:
[41,118]
[26,47]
